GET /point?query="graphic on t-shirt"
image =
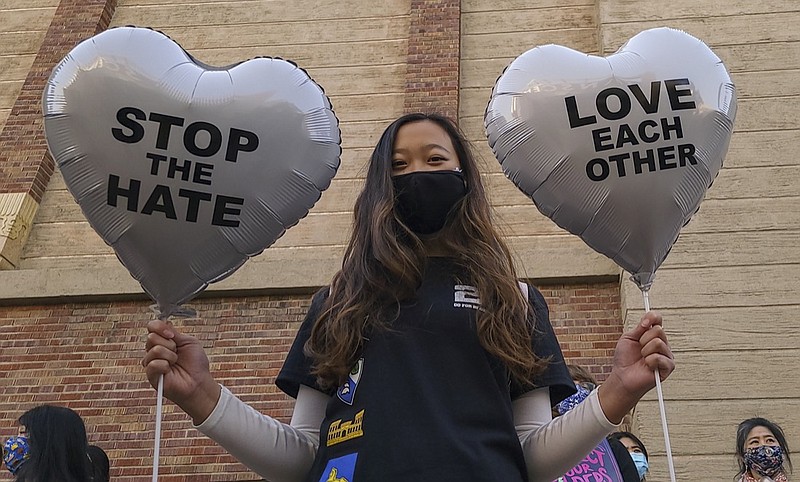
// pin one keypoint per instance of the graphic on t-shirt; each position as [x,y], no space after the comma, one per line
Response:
[347,391]
[341,431]
[466,296]
[340,469]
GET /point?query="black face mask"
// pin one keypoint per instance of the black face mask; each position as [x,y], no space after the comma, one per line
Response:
[424,199]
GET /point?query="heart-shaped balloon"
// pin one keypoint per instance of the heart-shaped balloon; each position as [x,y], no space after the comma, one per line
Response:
[618,150]
[186,170]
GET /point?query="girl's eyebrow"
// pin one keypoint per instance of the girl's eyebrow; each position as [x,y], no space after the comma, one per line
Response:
[427,146]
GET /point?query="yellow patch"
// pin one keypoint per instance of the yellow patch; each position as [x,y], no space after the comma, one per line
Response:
[340,431]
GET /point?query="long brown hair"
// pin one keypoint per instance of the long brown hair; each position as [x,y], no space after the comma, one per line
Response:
[384,263]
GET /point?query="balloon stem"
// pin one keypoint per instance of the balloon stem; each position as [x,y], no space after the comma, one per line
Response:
[661,408]
[159,407]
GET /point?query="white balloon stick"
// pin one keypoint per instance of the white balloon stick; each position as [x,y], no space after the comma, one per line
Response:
[662,410]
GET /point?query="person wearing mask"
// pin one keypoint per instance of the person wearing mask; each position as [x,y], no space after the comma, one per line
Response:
[51,446]
[425,359]
[637,451]
[762,452]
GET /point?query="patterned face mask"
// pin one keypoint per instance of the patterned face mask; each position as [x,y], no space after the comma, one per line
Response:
[765,459]
[573,400]
[15,453]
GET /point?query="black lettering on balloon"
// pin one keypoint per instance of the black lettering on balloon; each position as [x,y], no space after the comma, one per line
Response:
[124,118]
[222,209]
[190,139]
[194,198]
[643,131]
[686,153]
[160,200]
[639,161]
[604,170]
[665,154]
[575,119]
[156,158]
[626,136]
[235,144]
[602,103]
[165,123]
[202,173]
[600,138]
[650,105]
[131,194]
[675,127]
[620,160]
[676,93]
[174,167]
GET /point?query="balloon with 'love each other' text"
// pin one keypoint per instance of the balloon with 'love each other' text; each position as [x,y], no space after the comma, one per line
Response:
[618,150]
[186,170]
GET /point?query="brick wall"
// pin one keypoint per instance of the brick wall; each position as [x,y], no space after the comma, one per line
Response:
[86,356]
[25,165]
[433,57]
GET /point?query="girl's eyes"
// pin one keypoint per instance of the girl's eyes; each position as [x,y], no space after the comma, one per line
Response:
[437,159]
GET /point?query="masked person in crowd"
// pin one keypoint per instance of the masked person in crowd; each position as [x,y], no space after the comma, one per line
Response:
[637,451]
[425,359]
[761,452]
[51,446]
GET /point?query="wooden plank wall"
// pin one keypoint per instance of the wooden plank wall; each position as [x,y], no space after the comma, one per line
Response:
[356,50]
[493,34]
[730,288]
[731,285]
[23,24]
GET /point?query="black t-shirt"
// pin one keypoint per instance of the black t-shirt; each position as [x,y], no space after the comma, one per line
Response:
[425,401]
[624,461]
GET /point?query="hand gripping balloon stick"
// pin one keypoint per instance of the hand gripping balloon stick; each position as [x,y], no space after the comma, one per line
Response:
[661,409]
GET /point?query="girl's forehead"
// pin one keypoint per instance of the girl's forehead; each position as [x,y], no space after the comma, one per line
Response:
[760,431]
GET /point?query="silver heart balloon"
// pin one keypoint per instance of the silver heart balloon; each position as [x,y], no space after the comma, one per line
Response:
[186,170]
[618,150]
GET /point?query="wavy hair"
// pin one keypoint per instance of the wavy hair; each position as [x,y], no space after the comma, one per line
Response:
[743,430]
[58,446]
[384,263]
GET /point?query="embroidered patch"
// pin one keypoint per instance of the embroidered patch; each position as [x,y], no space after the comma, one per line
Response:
[340,431]
[340,469]
[347,391]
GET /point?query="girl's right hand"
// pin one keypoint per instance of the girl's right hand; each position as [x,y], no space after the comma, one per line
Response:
[180,358]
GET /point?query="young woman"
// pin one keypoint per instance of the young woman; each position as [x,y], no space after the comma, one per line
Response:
[636,449]
[424,359]
[51,446]
[761,452]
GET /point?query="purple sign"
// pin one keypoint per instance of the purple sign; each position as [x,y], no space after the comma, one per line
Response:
[599,466]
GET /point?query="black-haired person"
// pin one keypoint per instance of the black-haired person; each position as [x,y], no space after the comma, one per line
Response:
[101,466]
[637,451]
[762,452]
[424,359]
[52,447]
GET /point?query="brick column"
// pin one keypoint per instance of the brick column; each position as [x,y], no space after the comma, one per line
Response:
[25,163]
[434,53]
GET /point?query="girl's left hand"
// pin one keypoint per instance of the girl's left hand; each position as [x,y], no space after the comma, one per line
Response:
[639,353]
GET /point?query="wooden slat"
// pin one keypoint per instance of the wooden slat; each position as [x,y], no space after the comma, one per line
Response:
[514,6]
[748,57]
[727,329]
[9,90]
[26,4]
[763,148]
[737,286]
[739,215]
[26,19]
[334,54]
[26,42]
[735,249]
[246,12]
[290,33]
[735,30]
[620,11]
[492,45]
[372,79]
[15,66]
[708,427]
[561,17]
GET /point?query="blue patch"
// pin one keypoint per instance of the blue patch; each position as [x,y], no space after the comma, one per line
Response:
[347,392]
[340,469]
